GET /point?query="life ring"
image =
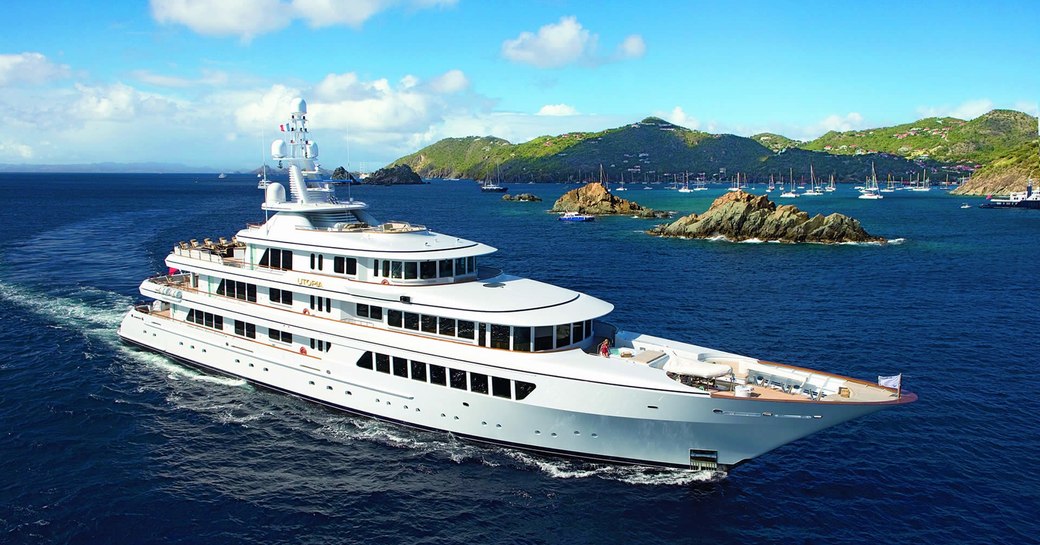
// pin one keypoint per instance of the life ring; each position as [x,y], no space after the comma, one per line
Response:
[303,351]
[306,311]
[385,282]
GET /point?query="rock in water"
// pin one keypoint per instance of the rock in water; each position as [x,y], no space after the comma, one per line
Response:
[593,198]
[742,216]
[522,197]
[394,175]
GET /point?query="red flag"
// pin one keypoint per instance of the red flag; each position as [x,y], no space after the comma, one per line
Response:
[282,127]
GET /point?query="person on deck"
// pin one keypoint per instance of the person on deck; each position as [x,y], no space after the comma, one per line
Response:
[604,348]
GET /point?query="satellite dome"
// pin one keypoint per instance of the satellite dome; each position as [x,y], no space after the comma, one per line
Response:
[299,106]
[278,149]
[312,150]
[275,194]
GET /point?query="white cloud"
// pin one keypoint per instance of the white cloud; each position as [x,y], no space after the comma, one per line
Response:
[566,42]
[16,150]
[29,67]
[250,18]
[451,81]
[966,110]
[679,117]
[1031,108]
[117,102]
[835,122]
[632,47]
[556,44]
[243,18]
[208,78]
[557,109]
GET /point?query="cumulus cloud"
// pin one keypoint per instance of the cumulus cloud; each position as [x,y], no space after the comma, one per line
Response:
[555,44]
[451,81]
[566,42]
[679,117]
[834,122]
[557,109]
[29,67]
[966,110]
[632,47]
[117,102]
[250,18]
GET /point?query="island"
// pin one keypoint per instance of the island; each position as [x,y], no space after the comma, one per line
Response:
[739,216]
[522,197]
[594,198]
[394,175]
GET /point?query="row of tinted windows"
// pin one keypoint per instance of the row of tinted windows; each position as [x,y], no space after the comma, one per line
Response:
[206,319]
[340,264]
[522,339]
[445,376]
[237,290]
[425,270]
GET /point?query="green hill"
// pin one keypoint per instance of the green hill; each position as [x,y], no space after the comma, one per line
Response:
[775,142]
[944,139]
[1006,174]
[654,149]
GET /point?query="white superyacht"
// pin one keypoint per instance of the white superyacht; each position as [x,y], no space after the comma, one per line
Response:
[394,321]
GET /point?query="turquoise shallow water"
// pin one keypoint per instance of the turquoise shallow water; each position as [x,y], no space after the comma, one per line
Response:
[103,444]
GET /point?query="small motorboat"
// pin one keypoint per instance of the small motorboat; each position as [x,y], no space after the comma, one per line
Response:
[574,216]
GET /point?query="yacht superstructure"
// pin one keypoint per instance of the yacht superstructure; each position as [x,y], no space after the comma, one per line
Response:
[398,322]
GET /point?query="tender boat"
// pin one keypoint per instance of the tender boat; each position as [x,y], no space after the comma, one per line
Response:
[575,216]
[398,322]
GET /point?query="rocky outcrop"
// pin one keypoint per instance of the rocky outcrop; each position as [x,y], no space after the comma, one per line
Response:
[394,175]
[522,197]
[593,198]
[740,216]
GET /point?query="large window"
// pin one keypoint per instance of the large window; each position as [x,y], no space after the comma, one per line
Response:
[478,383]
[411,321]
[206,319]
[523,389]
[446,326]
[237,290]
[400,367]
[280,336]
[428,270]
[370,311]
[500,336]
[245,329]
[284,297]
[411,270]
[429,324]
[465,329]
[563,335]
[500,387]
[458,379]
[438,375]
[418,371]
[383,363]
[447,268]
[543,337]
[344,265]
[394,318]
[277,259]
[522,339]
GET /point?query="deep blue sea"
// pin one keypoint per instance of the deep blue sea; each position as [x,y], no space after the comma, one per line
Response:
[102,444]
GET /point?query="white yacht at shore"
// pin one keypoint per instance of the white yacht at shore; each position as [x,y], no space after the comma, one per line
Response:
[397,322]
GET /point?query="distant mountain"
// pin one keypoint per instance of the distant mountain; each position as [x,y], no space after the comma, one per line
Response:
[651,149]
[944,139]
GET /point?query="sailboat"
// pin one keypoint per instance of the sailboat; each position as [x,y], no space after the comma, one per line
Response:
[891,185]
[686,184]
[831,187]
[870,191]
[487,186]
[813,190]
[621,185]
[788,194]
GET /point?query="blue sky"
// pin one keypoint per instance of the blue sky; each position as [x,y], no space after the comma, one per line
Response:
[203,82]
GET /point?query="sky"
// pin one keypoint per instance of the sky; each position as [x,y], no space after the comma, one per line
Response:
[205,83]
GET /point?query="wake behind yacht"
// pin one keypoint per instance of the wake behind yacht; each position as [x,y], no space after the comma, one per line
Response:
[396,321]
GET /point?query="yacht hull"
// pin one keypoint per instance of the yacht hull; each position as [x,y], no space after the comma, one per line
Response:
[563,417]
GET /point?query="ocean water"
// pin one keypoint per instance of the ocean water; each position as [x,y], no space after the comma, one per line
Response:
[100,443]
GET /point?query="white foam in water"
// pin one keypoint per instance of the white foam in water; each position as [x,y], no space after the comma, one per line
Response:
[641,475]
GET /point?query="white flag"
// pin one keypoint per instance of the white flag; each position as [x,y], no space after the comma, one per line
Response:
[890,382]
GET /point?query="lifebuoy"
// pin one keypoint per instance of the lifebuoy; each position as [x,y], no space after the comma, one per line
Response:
[306,311]
[303,351]
[385,282]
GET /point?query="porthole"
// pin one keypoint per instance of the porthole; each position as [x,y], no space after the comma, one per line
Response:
[251,365]
[498,425]
[349,393]
[456,418]
[377,400]
[595,435]
[443,415]
[576,432]
[537,432]
[417,409]
[553,434]
[203,350]
[265,369]
[328,387]
[311,382]
[717,411]
[482,423]
[651,406]
[465,403]
[237,361]
[387,403]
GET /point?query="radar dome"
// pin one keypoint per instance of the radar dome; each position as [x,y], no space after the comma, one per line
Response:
[278,149]
[275,194]
[299,105]
[312,150]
